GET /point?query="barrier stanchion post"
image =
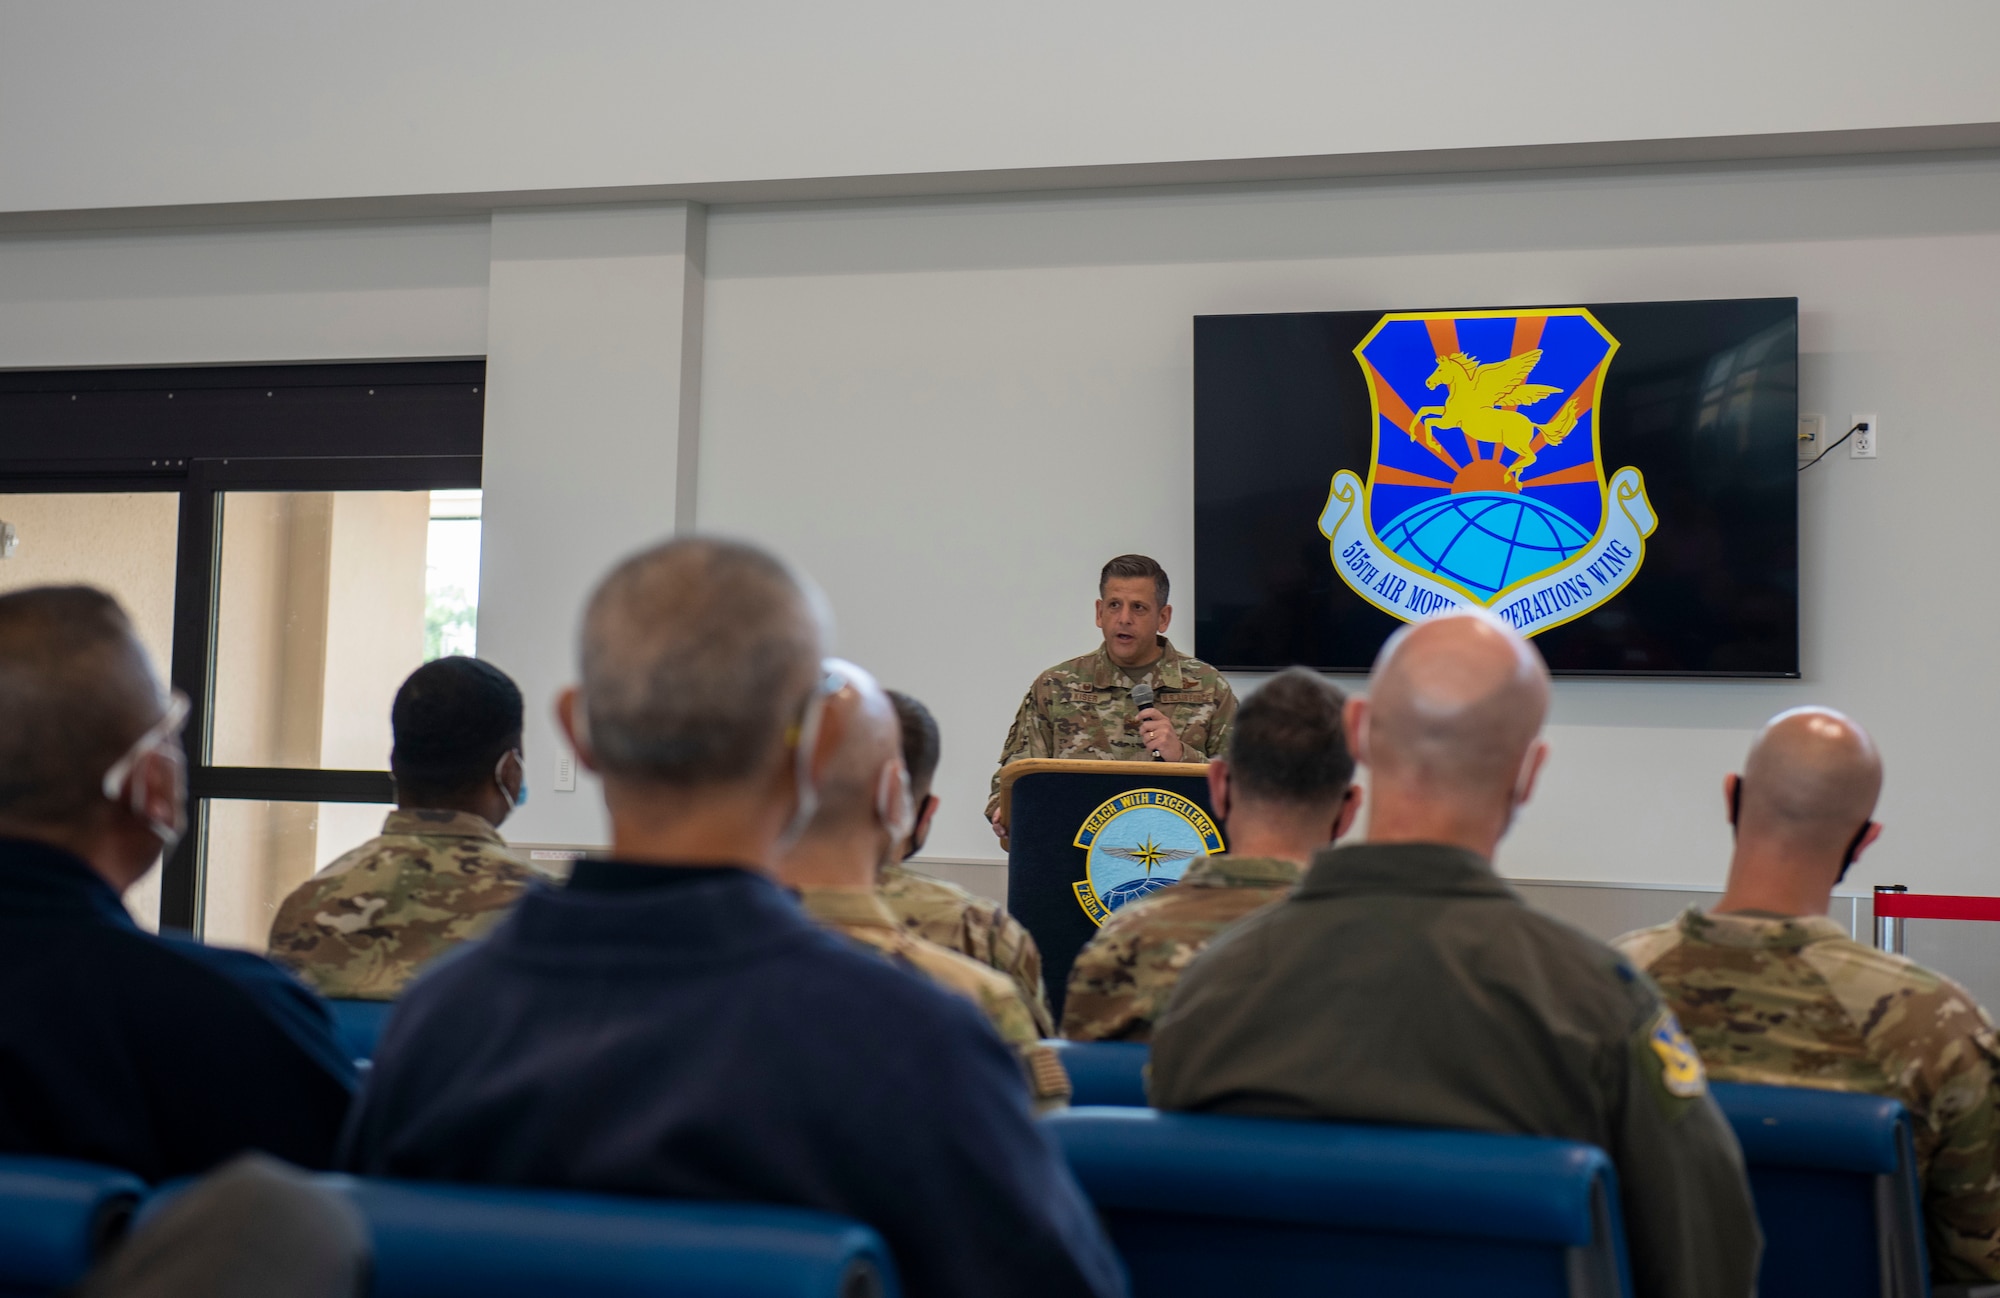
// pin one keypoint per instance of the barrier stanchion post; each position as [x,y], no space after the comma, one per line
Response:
[1888,928]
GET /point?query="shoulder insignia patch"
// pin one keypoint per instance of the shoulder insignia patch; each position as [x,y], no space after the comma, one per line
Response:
[1139,842]
[1680,1067]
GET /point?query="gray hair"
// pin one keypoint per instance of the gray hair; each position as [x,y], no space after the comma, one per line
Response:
[76,690]
[698,656]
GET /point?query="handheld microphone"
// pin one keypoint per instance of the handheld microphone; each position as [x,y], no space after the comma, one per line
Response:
[1142,698]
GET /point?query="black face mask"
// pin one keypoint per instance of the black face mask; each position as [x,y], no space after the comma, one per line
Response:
[1853,844]
[919,831]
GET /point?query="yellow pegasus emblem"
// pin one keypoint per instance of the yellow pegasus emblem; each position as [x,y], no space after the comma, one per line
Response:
[1475,395]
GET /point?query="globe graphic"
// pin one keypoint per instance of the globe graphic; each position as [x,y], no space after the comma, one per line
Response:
[1484,541]
[1133,889]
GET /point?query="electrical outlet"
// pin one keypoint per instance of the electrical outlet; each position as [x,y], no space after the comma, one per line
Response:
[1862,445]
[566,773]
[1812,436]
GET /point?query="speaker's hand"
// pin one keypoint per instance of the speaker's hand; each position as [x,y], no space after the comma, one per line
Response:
[1157,734]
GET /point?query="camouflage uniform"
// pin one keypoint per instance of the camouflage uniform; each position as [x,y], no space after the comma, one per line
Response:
[860,914]
[1083,709]
[1796,1002]
[960,921]
[364,926]
[1121,982]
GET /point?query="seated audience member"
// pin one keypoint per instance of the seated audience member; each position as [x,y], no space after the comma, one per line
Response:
[1284,788]
[670,1022]
[1403,982]
[439,874]
[1773,991]
[863,816]
[942,912]
[255,1228]
[153,1054]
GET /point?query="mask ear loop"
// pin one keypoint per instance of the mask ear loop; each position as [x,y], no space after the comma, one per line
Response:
[1853,847]
[122,784]
[895,807]
[805,741]
[519,797]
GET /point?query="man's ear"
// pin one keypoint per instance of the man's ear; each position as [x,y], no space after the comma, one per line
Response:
[921,830]
[569,717]
[1166,615]
[1218,787]
[1100,615]
[1732,793]
[1531,770]
[1868,838]
[1354,721]
[1350,808]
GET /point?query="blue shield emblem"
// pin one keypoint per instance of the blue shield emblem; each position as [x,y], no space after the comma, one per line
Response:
[1486,485]
[1139,842]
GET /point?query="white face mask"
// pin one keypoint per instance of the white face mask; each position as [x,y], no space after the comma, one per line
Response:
[895,806]
[125,784]
[805,742]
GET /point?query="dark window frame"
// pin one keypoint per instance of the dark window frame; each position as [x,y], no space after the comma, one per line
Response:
[203,431]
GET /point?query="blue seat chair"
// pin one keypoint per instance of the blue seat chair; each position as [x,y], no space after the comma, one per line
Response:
[1105,1072]
[358,1024]
[1206,1205]
[56,1217]
[1834,1177]
[449,1241]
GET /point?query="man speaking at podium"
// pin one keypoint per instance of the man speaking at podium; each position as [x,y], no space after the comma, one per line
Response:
[1084,708]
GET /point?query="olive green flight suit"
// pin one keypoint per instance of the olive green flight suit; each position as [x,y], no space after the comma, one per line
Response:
[1405,983]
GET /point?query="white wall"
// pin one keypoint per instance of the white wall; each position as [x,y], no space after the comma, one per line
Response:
[268,293]
[106,103]
[586,436]
[952,412]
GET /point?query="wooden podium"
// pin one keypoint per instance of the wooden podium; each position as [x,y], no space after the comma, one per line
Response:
[1085,837]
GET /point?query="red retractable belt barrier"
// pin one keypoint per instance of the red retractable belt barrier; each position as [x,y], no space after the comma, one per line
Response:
[1916,905]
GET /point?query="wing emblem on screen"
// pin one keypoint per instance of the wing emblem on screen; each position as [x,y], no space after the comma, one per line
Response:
[1139,842]
[1486,485]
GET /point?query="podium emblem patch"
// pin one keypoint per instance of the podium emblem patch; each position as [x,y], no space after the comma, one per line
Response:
[1139,842]
[1486,486]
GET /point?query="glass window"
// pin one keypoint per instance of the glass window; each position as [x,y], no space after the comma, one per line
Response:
[451,575]
[326,601]
[123,542]
[257,852]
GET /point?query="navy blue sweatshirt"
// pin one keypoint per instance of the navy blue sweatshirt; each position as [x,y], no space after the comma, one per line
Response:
[153,1054]
[689,1032]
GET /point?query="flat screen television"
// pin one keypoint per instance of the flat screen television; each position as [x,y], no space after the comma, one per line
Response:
[1617,480]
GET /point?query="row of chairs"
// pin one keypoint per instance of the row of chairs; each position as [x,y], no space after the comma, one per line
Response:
[1196,1205]
[1833,1176]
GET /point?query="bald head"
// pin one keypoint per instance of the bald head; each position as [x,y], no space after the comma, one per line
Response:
[869,743]
[1809,785]
[698,655]
[1454,705]
[76,690]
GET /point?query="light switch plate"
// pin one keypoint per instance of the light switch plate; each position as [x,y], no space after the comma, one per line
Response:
[566,773]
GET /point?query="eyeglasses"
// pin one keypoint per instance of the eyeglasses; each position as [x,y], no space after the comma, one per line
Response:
[167,728]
